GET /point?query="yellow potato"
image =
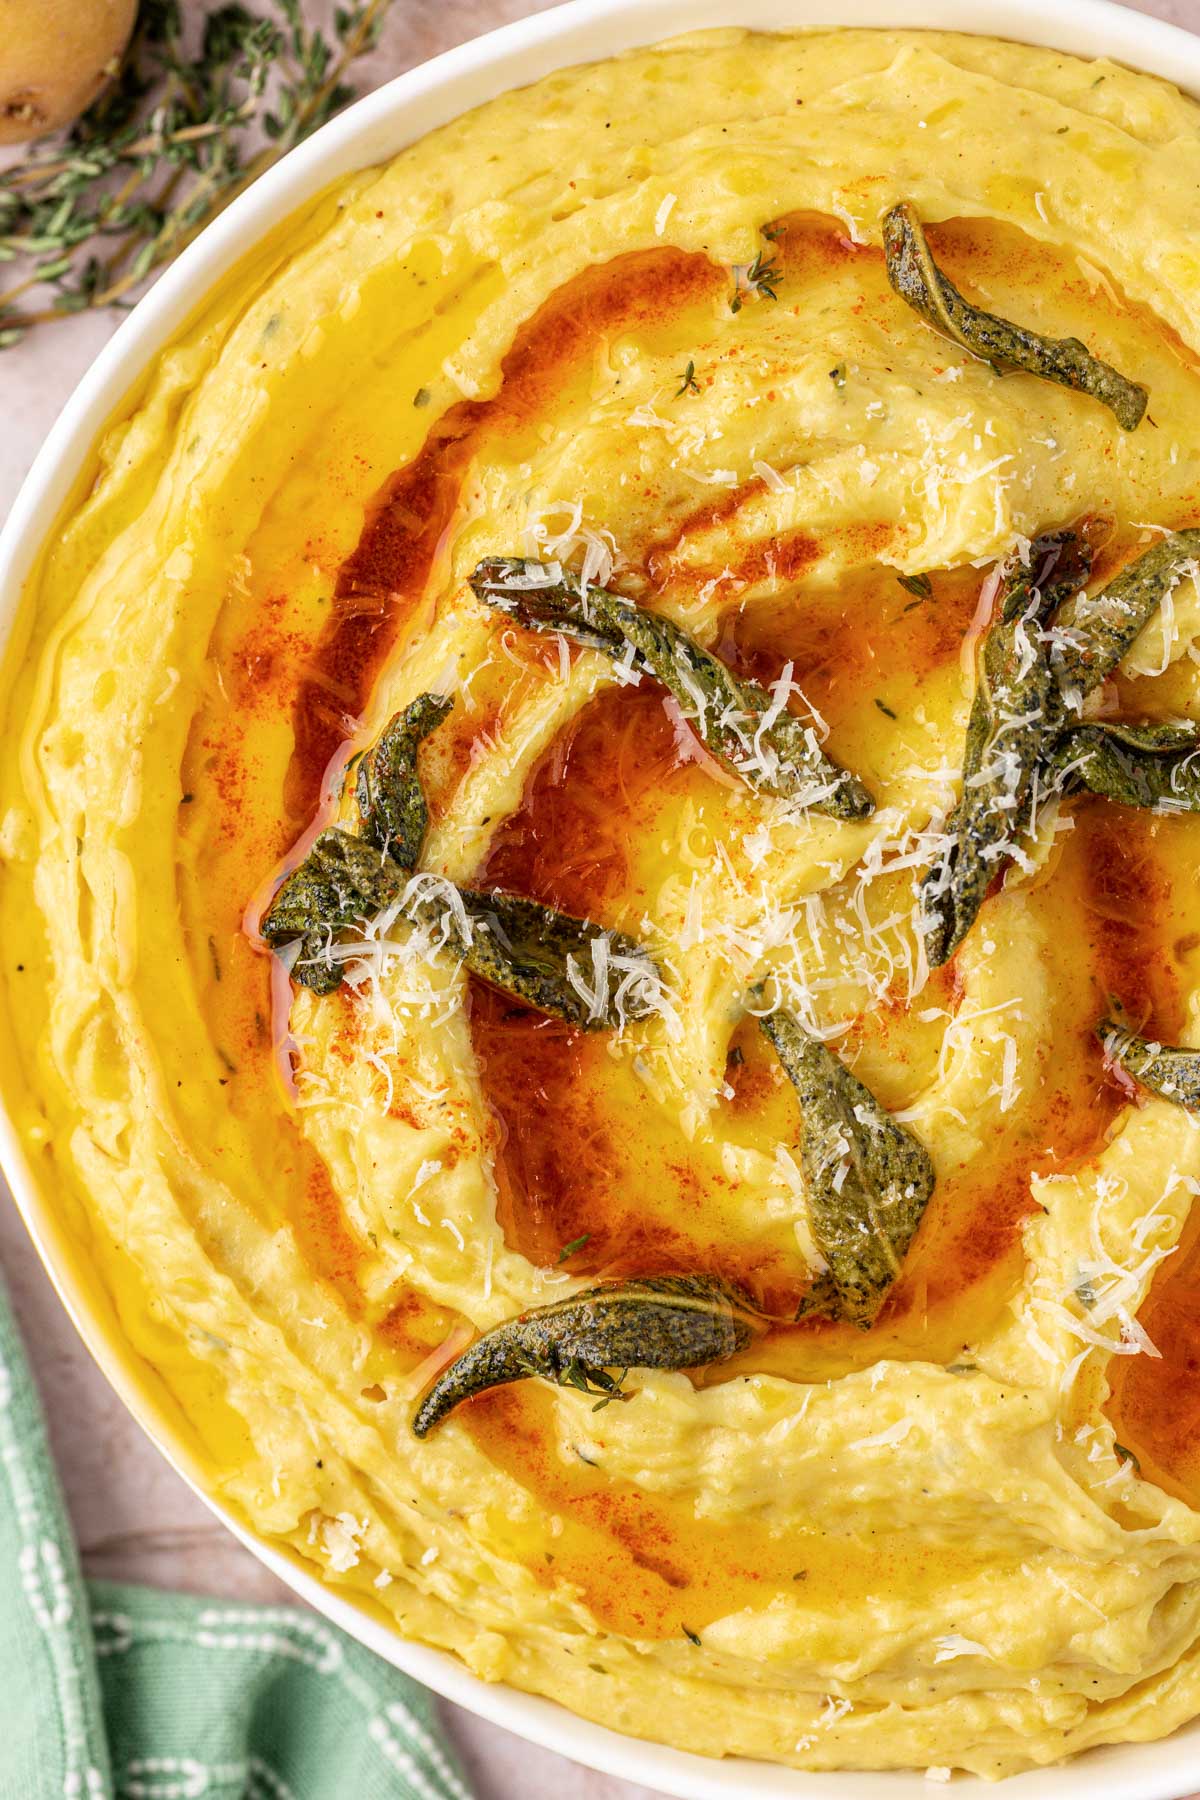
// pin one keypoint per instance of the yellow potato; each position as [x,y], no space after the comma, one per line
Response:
[55,56]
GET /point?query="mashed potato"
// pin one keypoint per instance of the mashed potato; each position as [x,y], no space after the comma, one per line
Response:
[639,313]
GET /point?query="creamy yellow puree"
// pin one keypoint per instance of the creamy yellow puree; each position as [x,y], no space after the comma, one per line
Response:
[918,1546]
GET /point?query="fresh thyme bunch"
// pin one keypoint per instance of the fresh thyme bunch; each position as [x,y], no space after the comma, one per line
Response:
[184,127]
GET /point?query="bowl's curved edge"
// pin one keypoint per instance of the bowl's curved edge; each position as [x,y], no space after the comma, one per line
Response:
[377,126]
[463,77]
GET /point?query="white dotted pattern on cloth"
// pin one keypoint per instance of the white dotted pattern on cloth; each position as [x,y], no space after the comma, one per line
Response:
[273,1631]
[48,1593]
[183,1778]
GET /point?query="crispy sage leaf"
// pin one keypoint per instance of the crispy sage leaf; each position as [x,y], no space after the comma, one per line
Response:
[345,878]
[867,1179]
[342,879]
[568,967]
[1010,672]
[1168,1070]
[736,720]
[545,597]
[1030,684]
[1136,765]
[659,1322]
[1097,630]
[557,963]
[1007,347]
[1017,710]
[391,801]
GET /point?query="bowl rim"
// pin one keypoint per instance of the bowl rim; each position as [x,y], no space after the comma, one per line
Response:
[374,127]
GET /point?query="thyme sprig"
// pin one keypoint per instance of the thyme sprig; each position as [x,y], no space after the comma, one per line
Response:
[758,279]
[85,217]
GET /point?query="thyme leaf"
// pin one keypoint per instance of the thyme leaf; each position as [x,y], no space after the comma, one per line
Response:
[657,1322]
[867,1180]
[594,1381]
[919,586]
[86,216]
[689,381]
[736,720]
[762,274]
[758,279]
[1006,346]
[568,1250]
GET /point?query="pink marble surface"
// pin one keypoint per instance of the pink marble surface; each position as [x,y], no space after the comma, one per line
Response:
[135,1519]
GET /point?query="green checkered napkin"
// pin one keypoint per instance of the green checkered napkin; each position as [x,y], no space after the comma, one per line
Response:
[111,1692]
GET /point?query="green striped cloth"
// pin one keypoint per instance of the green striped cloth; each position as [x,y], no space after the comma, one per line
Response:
[112,1692]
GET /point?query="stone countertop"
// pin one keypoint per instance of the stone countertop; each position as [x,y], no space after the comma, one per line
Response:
[136,1520]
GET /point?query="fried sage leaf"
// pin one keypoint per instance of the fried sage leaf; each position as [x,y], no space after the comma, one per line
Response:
[867,1179]
[546,597]
[342,879]
[1006,346]
[391,800]
[345,878]
[568,967]
[1017,710]
[1096,631]
[561,965]
[658,1322]
[1168,1070]
[736,720]
[1154,765]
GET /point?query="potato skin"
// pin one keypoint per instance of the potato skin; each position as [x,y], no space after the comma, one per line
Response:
[55,57]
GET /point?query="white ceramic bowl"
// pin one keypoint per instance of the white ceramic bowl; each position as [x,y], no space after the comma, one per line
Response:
[369,132]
